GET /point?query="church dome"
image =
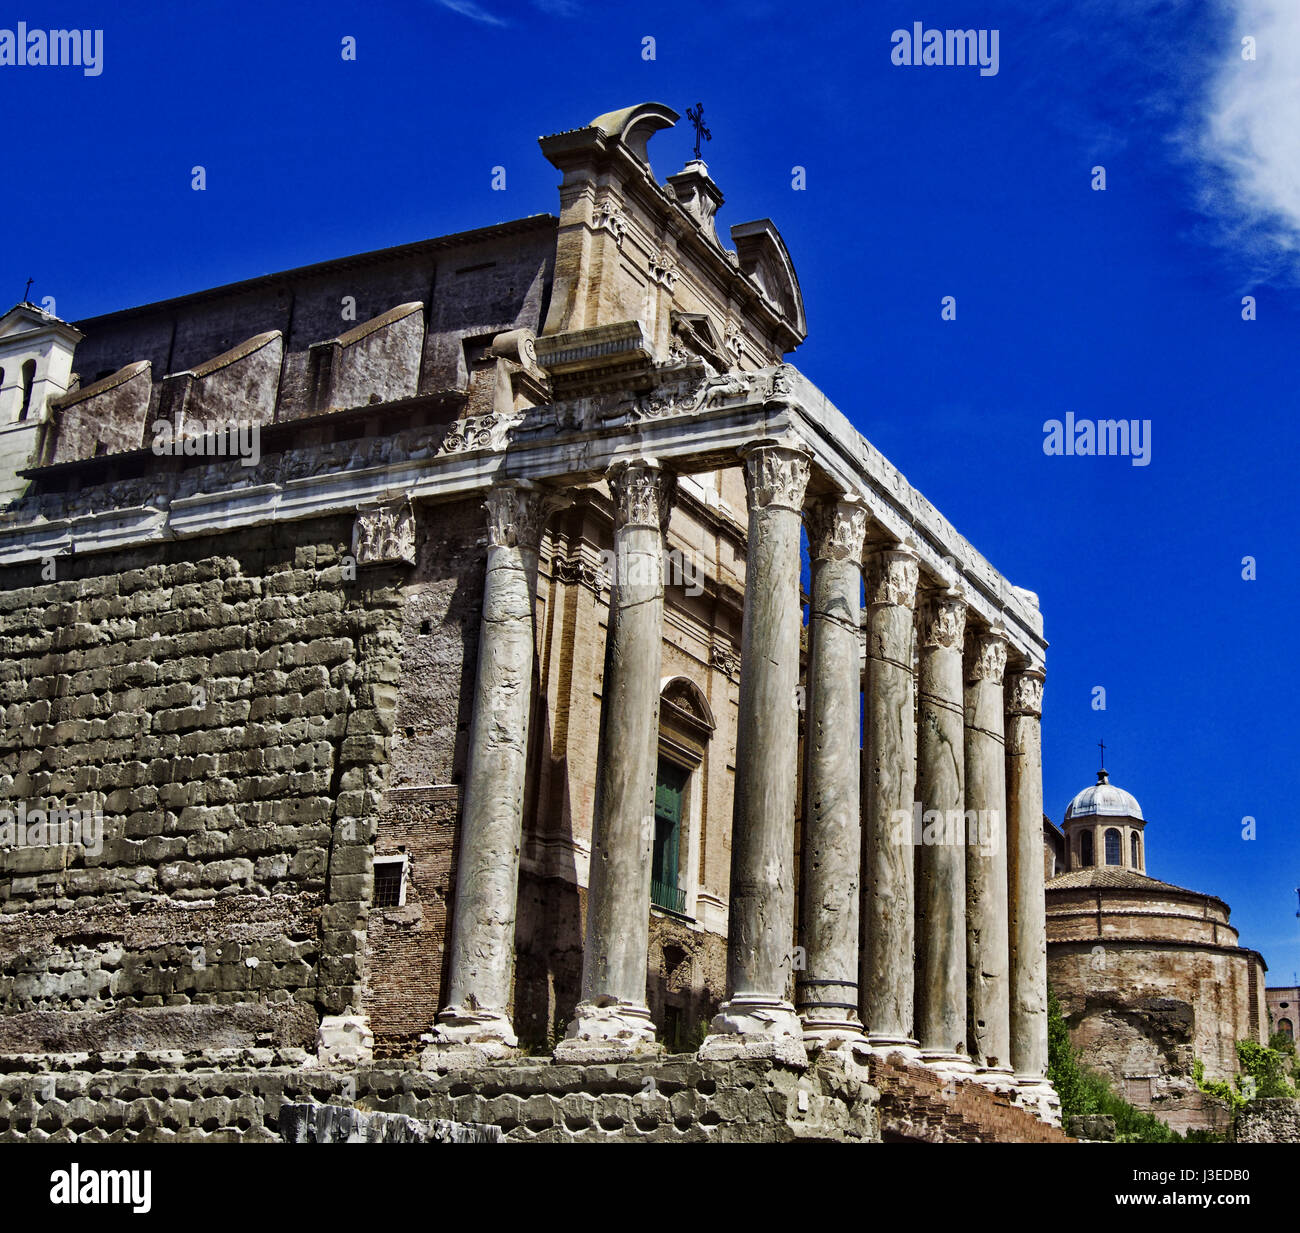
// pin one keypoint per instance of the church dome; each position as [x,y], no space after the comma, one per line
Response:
[1104,800]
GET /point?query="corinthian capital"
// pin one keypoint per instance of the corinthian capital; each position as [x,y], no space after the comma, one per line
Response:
[891,575]
[643,494]
[776,475]
[941,619]
[517,512]
[1025,692]
[836,528]
[986,656]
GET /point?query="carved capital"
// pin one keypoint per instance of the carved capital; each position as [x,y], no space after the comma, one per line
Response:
[986,656]
[384,533]
[517,513]
[1025,693]
[891,576]
[836,528]
[643,494]
[941,620]
[776,475]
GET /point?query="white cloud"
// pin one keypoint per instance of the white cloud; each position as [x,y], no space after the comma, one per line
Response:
[1248,138]
[467,8]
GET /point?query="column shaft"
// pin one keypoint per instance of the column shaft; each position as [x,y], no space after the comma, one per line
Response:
[941,857]
[832,835]
[760,934]
[888,946]
[613,1008]
[988,987]
[1028,915]
[482,951]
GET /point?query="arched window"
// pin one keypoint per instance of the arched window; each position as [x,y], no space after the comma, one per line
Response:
[1085,848]
[29,379]
[1113,848]
[1284,1026]
[1136,849]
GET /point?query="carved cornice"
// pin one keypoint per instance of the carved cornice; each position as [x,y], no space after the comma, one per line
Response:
[643,495]
[941,620]
[986,656]
[836,528]
[1025,693]
[384,533]
[517,514]
[891,576]
[776,475]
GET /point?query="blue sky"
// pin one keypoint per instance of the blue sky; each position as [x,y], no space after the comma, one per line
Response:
[922,182]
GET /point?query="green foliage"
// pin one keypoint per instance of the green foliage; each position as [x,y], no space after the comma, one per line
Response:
[1262,1074]
[1083,1091]
[1267,1067]
[1282,1044]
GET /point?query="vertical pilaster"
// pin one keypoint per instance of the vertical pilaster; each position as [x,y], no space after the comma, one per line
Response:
[757,1016]
[988,989]
[887,954]
[941,857]
[613,1014]
[827,990]
[482,951]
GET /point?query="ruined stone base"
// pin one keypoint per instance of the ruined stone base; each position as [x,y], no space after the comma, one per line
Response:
[470,1037]
[344,1040]
[755,1027]
[1039,1098]
[607,1030]
[239,1095]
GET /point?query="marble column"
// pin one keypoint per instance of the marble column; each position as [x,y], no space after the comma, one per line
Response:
[482,951]
[613,1016]
[827,989]
[941,856]
[988,990]
[888,947]
[757,1017]
[1028,916]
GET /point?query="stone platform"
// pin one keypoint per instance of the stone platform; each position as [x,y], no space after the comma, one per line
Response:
[239,1095]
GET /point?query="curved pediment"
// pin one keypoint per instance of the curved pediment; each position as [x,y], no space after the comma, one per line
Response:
[634,126]
[766,260]
[686,701]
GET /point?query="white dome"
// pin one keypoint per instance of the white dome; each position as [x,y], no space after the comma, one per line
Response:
[1104,800]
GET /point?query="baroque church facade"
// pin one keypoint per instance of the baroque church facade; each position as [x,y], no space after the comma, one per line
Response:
[469,715]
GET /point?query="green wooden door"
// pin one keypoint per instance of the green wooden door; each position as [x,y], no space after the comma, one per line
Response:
[670,789]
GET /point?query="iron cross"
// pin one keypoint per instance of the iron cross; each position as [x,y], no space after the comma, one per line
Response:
[696,116]
[28,289]
[1102,746]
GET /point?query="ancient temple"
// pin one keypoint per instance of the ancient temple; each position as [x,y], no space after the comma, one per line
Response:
[425,629]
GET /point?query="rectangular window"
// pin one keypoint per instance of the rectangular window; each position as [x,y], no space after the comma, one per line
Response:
[670,791]
[390,881]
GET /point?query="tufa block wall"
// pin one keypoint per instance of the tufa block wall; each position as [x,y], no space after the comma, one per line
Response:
[226,703]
